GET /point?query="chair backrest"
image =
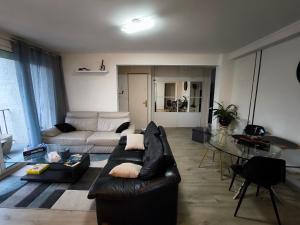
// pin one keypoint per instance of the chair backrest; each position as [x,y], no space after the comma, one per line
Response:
[254,130]
[265,171]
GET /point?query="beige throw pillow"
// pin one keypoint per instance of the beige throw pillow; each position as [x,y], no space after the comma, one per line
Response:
[135,142]
[126,170]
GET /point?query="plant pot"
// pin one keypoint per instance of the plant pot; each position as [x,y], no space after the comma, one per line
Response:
[224,121]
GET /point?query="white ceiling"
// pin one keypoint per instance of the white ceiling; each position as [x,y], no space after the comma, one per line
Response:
[207,26]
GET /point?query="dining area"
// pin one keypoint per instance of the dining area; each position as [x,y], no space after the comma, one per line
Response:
[255,157]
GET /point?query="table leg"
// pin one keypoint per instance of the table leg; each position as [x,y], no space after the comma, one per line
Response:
[276,196]
[221,165]
[238,193]
[203,157]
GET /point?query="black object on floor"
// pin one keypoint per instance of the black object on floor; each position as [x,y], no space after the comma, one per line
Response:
[201,134]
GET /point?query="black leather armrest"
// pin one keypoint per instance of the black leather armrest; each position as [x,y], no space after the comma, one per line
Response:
[170,178]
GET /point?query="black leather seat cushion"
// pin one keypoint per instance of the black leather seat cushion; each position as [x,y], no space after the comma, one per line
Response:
[108,187]
[120,154]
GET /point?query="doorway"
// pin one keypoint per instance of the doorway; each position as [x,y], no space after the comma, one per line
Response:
[171,96]
[138,99]
[134,93]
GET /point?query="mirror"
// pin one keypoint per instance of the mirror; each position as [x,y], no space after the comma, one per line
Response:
[178,96]
[195,96]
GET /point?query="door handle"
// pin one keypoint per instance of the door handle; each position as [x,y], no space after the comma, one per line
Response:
[145,103]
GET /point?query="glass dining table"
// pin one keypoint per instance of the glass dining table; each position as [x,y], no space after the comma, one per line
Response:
[230,145]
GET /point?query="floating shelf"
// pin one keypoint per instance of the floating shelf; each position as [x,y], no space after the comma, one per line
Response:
[91,71]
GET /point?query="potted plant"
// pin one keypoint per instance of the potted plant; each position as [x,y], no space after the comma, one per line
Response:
[226,115]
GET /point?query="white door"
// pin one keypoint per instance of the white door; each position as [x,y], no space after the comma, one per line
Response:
[138,99]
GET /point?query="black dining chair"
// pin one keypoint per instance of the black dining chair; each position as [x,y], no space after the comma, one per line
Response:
[252,130]
[264,172]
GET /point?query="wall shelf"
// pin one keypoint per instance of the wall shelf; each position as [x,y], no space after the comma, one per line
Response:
[92,71]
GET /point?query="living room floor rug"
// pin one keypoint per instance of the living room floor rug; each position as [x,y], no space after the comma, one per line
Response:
[15,193]
[74,200]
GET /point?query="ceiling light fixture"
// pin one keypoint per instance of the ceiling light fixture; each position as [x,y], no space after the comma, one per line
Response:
[137,25]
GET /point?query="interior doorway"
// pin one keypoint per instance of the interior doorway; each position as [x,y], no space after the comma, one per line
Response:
[138,99]
[171,96]
[134,93]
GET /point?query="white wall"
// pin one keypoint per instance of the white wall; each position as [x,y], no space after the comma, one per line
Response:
[242,83]
[278,100]
[98,92]
[224,79]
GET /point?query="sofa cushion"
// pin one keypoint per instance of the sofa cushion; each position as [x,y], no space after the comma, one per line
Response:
[82,114]
[82,120]
[114,187]
[168,156]
[104,138]
[126,170]
[114,114]
[71,138]
[83,123]
[119,154]
[151,129]
[108,187]
[153,158]
[135,142]
[110,124]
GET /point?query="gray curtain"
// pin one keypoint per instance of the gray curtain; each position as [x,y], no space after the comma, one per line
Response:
[60,97]
[41,87]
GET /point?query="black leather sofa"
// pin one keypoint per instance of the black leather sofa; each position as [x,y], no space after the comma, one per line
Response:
[121,201]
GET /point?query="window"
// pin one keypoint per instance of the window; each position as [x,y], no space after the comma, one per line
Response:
[12,119]
[178,96]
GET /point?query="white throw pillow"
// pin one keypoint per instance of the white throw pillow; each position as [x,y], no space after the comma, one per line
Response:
[135,142]
[126,170]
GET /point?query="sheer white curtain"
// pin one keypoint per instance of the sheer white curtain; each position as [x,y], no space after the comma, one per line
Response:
[42,82]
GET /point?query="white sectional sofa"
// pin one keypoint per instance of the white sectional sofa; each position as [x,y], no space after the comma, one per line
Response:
[92,128]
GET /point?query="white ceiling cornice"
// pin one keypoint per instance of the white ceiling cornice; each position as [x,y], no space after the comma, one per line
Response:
[285,33]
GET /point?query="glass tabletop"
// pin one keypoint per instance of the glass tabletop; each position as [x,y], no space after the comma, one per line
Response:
[42,157]
[229,145]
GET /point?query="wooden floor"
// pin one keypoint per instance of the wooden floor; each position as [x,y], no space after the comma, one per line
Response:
[203,198]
